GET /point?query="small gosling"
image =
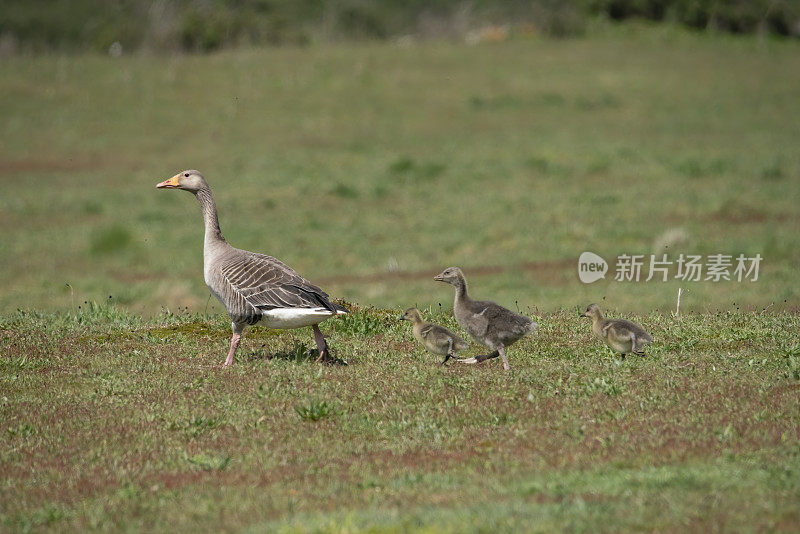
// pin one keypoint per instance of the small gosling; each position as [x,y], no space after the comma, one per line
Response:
[621,335]
[437,339]
[485,321]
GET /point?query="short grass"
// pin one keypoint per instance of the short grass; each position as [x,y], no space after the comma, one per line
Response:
[112,422]
[371,167]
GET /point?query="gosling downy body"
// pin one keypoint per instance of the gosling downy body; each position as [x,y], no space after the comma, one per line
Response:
[621,335]
[254,287]
[486,322]
[436,339]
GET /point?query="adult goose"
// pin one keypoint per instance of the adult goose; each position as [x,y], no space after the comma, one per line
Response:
[621,335]
[487,322]
[437,339]
[254,287]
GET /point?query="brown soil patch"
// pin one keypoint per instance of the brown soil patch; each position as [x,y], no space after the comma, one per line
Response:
[750,216]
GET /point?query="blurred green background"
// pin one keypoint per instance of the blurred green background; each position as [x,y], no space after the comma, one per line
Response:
[369,161]
[205,25]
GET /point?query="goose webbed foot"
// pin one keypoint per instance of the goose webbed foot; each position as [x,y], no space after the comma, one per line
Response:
[449,355]
[326,358]
[481,357]
[324,351]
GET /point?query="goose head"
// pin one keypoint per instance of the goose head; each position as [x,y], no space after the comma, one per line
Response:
[188,180]
[451,275]
[592,310]
[412,314]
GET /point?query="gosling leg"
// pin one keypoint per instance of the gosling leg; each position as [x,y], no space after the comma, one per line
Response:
[449,351]
[502,351]
[481,357]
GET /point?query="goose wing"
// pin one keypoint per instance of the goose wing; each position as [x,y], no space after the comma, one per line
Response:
[266,283]
[477,323]
[433,331]
[506,320]
[624,328]
[426,330]
[441,336]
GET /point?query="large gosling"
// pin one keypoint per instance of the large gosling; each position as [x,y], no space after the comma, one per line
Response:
[621,335]
[486,322]
[437,339]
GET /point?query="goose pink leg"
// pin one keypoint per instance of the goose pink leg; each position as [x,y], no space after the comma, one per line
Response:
[502,351]
[235,338]
[322,345]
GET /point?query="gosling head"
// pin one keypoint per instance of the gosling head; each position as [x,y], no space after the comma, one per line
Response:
[188,180]
[451,275]
[592,310]
[412,314]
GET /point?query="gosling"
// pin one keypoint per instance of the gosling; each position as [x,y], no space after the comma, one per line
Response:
[437,339]
[621,335]
[486,322]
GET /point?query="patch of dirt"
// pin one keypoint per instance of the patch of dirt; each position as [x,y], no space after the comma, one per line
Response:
[749,216]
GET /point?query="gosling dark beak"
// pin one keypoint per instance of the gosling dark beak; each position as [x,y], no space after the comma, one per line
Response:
[439,278]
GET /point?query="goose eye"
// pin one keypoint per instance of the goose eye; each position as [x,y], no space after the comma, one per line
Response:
[186,174]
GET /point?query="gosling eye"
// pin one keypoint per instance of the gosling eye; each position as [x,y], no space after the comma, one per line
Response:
[186,174]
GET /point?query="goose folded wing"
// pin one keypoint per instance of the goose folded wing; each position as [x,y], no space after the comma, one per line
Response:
[625,327]
[267,283]
[427,330]
[433,332]
[478,322]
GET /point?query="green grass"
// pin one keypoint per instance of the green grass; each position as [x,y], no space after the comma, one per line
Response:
[369,168]
[112,422]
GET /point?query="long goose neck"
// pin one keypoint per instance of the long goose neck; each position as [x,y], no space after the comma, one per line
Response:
[210,217]
[597,322]
[461,289]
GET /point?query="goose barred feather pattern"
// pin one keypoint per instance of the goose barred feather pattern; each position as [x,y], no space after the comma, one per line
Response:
[251,282]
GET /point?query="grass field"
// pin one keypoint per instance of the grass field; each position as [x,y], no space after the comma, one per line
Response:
[115,423]
[369,168]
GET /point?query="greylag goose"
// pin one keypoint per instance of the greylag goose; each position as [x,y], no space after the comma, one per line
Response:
[487,322]
[254,287]
[621,335]
[437,339]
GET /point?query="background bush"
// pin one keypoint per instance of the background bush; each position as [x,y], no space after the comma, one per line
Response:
[206,25]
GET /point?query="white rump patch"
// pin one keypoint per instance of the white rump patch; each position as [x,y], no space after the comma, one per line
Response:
[282,318]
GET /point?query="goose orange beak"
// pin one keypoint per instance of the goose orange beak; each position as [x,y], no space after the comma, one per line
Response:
[172,183]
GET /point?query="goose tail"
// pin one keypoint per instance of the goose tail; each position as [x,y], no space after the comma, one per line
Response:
[339,309]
